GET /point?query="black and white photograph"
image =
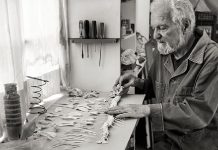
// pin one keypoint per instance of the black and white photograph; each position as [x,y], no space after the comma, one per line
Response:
[108,74]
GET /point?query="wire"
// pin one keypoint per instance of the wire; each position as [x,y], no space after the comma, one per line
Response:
[36,107]
[37,79]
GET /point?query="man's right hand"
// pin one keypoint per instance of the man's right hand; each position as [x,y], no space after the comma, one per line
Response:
[126,80]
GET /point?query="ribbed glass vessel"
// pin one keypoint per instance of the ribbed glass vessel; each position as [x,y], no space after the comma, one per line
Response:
[12,111]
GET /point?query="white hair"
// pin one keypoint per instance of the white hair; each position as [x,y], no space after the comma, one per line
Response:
[179,10]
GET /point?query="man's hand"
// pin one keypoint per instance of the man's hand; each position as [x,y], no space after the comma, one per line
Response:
[126,80]
[129,111]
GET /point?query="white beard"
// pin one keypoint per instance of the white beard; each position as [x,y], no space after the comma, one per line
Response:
[165,48]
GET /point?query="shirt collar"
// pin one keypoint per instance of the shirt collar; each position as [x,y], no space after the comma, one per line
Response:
[197,54]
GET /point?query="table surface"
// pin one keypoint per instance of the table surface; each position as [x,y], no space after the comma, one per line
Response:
[119,134]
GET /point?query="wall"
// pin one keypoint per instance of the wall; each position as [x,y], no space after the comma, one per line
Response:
[142,17]
[199,6]
[86,73]
[128,10]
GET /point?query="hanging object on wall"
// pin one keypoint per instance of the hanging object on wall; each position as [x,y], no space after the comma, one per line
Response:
[94,31]
[86,27]
[101,36]
[92,35]
[81,32]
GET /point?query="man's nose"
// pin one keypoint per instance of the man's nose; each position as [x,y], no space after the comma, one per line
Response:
[157,35]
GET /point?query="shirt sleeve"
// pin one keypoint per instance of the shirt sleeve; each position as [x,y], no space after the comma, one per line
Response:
[192,112]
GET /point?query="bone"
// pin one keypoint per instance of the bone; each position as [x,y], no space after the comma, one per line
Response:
[58,109]
[110,120]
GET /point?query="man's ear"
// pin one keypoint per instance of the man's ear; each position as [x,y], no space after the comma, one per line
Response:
[186,24]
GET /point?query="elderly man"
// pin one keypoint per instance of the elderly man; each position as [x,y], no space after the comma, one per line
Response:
[183,79]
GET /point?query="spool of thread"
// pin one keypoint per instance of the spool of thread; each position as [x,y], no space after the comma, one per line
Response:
[86,28]
[12,111]
[94,30]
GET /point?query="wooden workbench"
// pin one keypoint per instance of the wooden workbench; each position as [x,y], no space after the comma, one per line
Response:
[118,140]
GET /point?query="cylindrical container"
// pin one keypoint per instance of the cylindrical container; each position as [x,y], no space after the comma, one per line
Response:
[127,24]
[12,111]
[94,30]
[133,27]
[123,30]
[86,28]
[123,22]
[81,29]
[101,30]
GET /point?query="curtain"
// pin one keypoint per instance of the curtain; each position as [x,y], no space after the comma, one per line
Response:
[40,35]
[11,48]
[65,53]
[45,37]
[34,42]
[34,39]
[45,45]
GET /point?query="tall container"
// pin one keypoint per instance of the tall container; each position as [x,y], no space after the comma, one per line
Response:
[12,111]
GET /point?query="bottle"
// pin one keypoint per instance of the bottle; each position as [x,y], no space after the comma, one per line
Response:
[123,31]
[12,111]
[133,27]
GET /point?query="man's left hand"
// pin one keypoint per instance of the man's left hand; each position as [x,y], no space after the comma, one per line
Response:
[129,111]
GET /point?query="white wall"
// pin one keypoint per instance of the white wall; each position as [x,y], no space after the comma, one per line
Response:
[86,73]
[201,6]
[128,11]
[142,17]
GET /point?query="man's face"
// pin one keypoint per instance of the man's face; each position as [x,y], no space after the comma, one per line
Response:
[167,33]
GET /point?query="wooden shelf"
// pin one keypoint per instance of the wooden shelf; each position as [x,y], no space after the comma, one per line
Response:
[90,41]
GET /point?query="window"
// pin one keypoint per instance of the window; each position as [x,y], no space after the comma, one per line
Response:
[41,33]
[30,45]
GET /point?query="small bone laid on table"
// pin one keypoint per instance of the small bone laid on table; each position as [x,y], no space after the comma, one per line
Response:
[109,122]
